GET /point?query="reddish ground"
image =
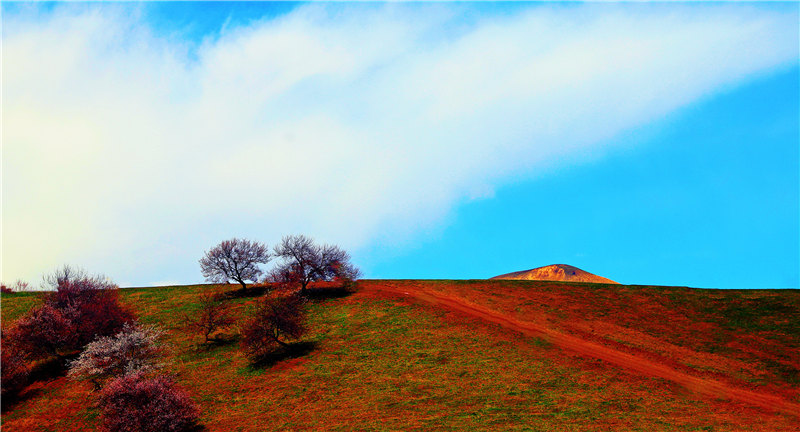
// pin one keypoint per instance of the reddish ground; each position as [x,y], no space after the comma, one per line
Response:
[477,355]
[702,385]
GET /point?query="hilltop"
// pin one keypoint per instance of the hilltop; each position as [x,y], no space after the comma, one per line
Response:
[479,355]
[556,272]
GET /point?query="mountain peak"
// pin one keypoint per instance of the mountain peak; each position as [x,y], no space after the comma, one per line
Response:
[556,272]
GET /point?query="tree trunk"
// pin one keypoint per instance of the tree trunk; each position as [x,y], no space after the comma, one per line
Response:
[274,336]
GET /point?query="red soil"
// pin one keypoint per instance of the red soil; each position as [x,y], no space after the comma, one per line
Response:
[645,366]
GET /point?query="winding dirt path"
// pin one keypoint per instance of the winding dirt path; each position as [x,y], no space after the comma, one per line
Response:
[703,386]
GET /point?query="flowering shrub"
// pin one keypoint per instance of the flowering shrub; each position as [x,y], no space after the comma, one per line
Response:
[71,317]
[92,304]
[45,331]
[138,403]
[275,318]
[135,349]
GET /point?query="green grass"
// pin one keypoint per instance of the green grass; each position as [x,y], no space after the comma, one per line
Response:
[15,305]
[382,365]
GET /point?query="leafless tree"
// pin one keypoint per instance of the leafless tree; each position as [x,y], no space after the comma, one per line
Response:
[21,286]
[67,273]
[235,259]
[305,262]
[212,315]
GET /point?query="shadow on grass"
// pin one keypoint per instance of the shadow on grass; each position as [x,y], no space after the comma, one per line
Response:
[10,401]
[255,291]
[321,294]
[51,368]
[291,351]
[45,370]
[197,427]
[219,342]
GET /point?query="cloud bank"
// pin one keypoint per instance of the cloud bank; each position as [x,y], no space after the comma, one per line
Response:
[130,152]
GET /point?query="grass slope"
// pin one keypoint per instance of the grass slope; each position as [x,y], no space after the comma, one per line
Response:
[385,362]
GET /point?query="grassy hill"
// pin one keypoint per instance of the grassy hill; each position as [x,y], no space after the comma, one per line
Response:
[479,355]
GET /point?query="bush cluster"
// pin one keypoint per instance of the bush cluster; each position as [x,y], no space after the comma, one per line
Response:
[76,313]
[135,396]
[80,308]
[84,312]
[275,319]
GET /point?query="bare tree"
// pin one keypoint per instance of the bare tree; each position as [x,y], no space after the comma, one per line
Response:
[235,259]
[305,262]
[21,286]
[212,316]
[67,273]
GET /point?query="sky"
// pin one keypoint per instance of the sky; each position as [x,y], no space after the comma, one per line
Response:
[647,143]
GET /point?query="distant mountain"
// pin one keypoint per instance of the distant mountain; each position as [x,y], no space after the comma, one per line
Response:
[556,272]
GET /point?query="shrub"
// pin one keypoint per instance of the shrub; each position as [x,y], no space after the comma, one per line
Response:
[4,289]
[235,259]
[138,403]
[92,303]
[274,319]
[212,316]
[134,349]
[45,331]
[75,314]
[14,367]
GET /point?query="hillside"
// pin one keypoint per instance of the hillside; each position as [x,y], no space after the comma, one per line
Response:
[555,272]
[481,355]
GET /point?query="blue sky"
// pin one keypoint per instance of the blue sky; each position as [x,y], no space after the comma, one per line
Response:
[652,144]
[707,197]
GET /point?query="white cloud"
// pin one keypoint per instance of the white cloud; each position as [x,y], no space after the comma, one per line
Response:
[130,153]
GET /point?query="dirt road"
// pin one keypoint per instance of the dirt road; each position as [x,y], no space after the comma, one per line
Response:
[704,386]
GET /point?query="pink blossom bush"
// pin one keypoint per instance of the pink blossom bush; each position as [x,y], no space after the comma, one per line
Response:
[138,403]
[92,305]
[45,331]
[78,311]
